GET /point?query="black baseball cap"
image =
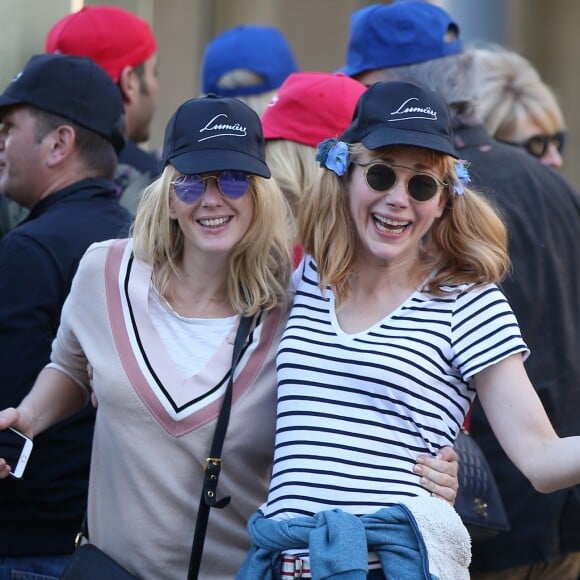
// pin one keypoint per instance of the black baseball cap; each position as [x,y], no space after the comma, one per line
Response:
[215,134]
[73,87]
[401,113]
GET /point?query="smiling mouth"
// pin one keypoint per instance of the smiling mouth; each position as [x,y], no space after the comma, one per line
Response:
[214,222]
[391,226]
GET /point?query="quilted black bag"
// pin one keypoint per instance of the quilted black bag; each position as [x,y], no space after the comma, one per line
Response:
[478,500]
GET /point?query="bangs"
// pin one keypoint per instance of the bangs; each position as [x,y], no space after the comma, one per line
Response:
[435,159]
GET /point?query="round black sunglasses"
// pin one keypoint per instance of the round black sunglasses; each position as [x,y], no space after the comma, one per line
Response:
[382,177]
[537,145]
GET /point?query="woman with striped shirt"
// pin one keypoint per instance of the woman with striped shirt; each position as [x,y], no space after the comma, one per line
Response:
[397,323]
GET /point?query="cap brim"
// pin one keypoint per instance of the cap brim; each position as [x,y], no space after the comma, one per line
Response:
[218,160]
[349,71]
[7,101]
[383,138]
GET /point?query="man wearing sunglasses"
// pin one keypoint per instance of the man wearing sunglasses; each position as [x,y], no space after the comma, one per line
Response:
[419,42]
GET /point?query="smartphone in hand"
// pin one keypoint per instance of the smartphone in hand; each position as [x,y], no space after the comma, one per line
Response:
[15,448]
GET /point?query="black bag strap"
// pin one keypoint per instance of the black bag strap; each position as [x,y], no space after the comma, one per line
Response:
[213,463]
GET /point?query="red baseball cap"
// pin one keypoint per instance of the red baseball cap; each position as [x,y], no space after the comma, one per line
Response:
[112,37]
[311,107]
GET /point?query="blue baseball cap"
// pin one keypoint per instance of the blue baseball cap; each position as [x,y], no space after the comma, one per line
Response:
[260,49]
[405,32]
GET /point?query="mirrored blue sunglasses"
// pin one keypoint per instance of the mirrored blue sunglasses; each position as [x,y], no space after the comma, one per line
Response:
[190,187]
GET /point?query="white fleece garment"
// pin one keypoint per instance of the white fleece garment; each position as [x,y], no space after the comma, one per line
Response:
[446,538]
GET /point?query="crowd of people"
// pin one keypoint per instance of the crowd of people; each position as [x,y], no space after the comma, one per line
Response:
[399,242]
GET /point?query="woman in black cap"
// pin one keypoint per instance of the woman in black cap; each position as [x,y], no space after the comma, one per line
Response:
[157,317]
[397,322]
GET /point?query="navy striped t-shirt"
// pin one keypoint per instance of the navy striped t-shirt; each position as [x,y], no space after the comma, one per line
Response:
[355,410]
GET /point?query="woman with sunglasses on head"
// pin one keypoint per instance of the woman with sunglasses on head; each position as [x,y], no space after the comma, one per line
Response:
[397,323]
[156,318]
[516,106]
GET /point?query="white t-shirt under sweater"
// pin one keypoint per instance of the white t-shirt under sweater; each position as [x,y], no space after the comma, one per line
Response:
[355,410]
[191,342]
[155,422]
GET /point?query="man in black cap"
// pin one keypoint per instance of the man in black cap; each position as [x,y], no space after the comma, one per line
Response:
[419,42]
[62,124]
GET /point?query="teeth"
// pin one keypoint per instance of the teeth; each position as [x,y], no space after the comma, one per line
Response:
[388,225]
[214,222]
[390,222]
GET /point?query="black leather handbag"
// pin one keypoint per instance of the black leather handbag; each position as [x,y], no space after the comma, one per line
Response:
[90,563]
[478,500]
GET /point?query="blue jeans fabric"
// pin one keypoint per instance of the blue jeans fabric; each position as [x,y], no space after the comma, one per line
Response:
[392,532]
[33,568]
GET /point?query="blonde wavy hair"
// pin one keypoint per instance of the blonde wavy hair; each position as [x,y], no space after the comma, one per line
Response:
[466,245]
[242,78]
[510,92]
[259,265]
[293,166]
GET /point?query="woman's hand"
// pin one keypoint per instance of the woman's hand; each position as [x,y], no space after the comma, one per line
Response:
[19,420]
[439,474]
[54,397]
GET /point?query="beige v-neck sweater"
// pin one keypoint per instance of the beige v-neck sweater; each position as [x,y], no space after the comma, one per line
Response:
[154,426]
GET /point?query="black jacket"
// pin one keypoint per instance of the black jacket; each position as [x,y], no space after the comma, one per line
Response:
[142,161]
[40,514]
[542,212]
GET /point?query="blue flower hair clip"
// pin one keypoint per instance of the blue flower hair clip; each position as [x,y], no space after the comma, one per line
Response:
[333,154]
[463,177]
